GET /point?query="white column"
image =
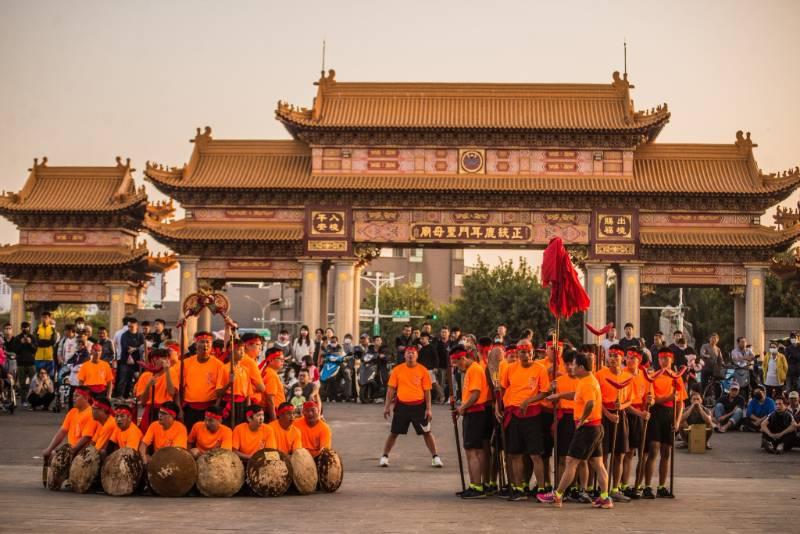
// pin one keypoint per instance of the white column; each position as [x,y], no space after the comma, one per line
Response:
[116,308]
[629,303]
[312,280]
[754,307]
[596,289]
[357,301]
[343,305]
[18,304]
[738,316]
[188,286]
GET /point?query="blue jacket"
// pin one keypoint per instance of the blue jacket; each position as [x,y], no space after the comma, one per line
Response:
[760,409]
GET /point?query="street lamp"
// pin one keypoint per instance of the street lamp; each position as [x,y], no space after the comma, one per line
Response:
[377,284]
[263,319]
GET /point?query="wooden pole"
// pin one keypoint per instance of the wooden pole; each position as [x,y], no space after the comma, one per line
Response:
[451,386]
[556,354]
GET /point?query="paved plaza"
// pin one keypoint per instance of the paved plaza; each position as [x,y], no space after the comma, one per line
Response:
[733,488]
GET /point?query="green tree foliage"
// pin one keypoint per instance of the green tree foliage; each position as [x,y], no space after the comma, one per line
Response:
[782,298]
[505,294]
[400,297]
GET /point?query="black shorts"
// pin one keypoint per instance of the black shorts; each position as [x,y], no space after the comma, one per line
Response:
[621,443]
[547,431]
[566,431]
[635,429]
[410,414]
[524,435]
[477,428]
[587,443]
[659,428]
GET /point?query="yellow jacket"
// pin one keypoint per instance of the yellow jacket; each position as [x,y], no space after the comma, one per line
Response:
[782,367]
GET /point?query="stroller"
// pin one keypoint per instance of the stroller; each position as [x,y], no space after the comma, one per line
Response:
[62,388]
[8,374]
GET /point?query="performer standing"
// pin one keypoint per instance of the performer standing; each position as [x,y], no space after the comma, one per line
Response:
[477,421]
[96,374]
[200,376]
[522,392]
[669,395]
[246,382]
[410,386]
[587,442]
[315,433]
[166,432]
[274,394]
[156,386]
[210,434]
[615,388]
[254,435]
[637,413]
[76,420]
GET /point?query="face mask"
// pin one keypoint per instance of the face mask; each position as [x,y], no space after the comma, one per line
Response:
[772,350]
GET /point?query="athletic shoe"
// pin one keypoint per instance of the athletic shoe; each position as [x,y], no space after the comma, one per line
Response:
[472,493]
[384,461]
[504,492]
[571,495]
[631,493]
[548,488]
[594,493]
[490,489]
[648,493]
[583,497]
[664,493]
[550,498]
[436,461]
[603,503]
[517,495]
[618,496]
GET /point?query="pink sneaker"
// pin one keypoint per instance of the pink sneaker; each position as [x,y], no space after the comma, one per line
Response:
[603,503]
[550,498]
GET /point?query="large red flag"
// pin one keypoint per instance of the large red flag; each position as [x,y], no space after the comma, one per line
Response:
[567,295]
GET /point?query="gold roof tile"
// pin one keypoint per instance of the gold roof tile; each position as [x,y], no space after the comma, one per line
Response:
[750,237]
[186,230]
[70,256]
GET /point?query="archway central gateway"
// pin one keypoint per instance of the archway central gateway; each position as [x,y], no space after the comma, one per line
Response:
[483,165]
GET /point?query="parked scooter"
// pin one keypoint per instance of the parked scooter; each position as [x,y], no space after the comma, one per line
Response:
[369,381]
[336,377]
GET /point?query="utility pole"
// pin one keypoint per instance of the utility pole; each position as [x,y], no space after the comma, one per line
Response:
[377,283]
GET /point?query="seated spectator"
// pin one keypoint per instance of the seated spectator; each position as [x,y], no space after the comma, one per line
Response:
[778,429]
[729,409]
[759,407]
[695,414]
[794,406]
[41,391]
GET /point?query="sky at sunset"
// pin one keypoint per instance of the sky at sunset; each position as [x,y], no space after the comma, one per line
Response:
[83,82]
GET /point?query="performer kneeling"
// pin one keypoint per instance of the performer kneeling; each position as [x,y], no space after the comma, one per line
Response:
[166,432]
[127,434]
[210,434]
[254,435]
[315,433]
[287,437]
[587,443]
[477,422]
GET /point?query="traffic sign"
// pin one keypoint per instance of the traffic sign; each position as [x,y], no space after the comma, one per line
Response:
[376,329]
[366,313]
[401,316]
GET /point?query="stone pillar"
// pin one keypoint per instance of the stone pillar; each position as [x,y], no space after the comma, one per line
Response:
[116,307]
[754,307]
[738,315]
[188,286]
[628,306]
[312,281]
[617,300]
[596,289]
[357,301]
[343,304]
[324,302]
[18,304]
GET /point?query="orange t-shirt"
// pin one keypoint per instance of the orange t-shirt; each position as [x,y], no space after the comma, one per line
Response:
[95,374]
[544,385]
[204,440]
[161,393]
[411,383]
[76,422]
[314,438]
[609,392]
[102,434]
[521,383]
[286,440]
[566,384]
[475,380]
[664,385]
[242,386]
[274,386]
[639,387]
[174,436]
[588,389]
[252,371]
[130,437]
[200,379]
[250,442]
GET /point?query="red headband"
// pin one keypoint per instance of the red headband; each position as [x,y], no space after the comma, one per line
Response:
[84,393]
[170,411]
[203,336]
[212,415]
[616,351]
[412,349]
[458,354]
[97,347]
[126,409]
[102,405]
[309,405]
[272,355]
[285,409]
[634,354]
[173,346]
[251,410]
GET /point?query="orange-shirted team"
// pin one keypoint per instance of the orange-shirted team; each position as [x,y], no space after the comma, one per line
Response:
[191,412]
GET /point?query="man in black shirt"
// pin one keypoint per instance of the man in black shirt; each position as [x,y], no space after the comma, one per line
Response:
[777,430]
[402,342]
[25,349]
[429,358]
[793,359]
[131,345]
[729,410]
[628,341]
[680,349]
[658,343]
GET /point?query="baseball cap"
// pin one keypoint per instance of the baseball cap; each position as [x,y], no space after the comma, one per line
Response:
[794,395]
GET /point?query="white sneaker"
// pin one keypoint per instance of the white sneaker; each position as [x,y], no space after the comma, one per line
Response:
[437,462]
[384,461]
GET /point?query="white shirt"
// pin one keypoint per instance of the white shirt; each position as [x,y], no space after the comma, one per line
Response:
[118,341]
[772,372]
[607,342]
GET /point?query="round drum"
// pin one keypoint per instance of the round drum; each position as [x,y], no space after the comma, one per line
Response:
[84,469]
[269,473]
[172,472]
[220,473]
[330,469]
[122,472]
[58,467]
[304,471]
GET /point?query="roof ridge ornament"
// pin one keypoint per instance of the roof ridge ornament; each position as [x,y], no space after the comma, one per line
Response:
[126,165]
[202,139]
[744,142]
[37,165]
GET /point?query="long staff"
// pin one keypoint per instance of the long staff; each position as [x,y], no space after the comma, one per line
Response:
[646,405]
[451,384]
[230,355]
[554,430]
[677,382]
[493,376]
